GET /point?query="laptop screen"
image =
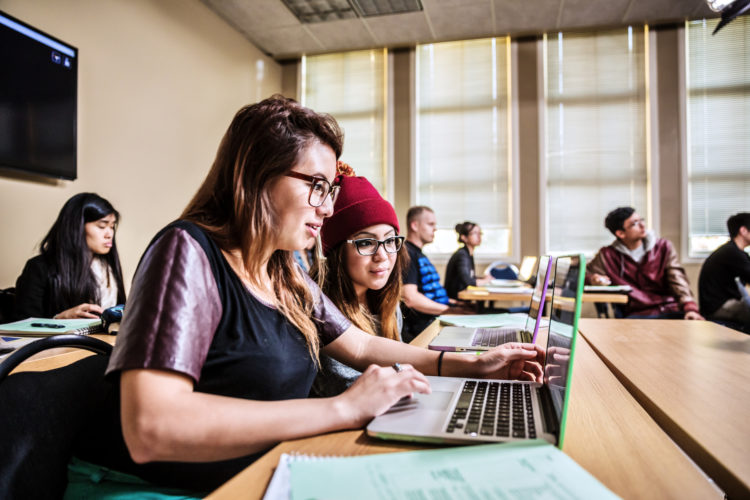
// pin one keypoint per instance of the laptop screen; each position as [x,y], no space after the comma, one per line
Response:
[563,322]
[536,296]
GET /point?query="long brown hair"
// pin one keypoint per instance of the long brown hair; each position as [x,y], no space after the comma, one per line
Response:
[263,142]
[335,282]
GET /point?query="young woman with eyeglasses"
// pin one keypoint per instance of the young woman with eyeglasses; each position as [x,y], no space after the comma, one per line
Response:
[219,345]
[361,272]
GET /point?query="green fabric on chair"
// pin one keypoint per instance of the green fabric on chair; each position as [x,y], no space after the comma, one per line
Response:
[87,480]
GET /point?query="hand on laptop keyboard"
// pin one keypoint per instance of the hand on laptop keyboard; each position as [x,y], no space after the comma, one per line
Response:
[513,361]
[379,389]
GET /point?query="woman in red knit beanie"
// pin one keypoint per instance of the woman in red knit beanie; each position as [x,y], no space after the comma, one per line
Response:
[361,273]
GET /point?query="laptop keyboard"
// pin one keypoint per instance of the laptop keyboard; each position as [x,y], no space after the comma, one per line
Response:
[499,409]
[491,337]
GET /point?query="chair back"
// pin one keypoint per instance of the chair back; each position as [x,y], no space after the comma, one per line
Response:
[44,414]
[7,304]
[502,271]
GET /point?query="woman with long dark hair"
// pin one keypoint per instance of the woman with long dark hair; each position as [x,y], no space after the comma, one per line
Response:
[361,272]
[221,338]
[77,274]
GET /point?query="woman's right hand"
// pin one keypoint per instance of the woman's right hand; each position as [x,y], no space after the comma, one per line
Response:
[92,311]
[377,389]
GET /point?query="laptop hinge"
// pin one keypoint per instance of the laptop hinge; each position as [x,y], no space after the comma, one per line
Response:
[548,411]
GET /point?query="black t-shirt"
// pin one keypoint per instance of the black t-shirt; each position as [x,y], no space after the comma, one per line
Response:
[716,281]
[422,273]
[190,313]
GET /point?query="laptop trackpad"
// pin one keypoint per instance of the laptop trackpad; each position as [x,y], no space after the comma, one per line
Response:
[437,400]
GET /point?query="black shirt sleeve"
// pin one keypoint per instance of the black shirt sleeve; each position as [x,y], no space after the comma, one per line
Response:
[32,291]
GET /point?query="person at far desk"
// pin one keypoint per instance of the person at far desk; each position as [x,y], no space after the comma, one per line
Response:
[460,273]
[649,265]
[361,273]
[424,298]
[217,353]
[77,273]
[720,297]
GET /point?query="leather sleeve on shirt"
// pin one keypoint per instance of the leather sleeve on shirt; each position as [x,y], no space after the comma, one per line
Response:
[678,281]
[595,266]
[173,311]
[330,321]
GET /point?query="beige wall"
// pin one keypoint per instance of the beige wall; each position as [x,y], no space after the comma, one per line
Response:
[158,83]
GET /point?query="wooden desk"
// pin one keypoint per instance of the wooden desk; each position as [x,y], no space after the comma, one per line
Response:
[61,356]
[608,434]
[485,295]
[692,378]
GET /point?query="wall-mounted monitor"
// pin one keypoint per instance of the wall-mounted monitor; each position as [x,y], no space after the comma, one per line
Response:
[38,101]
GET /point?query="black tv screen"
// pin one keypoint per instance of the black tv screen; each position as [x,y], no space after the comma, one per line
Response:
[38,101]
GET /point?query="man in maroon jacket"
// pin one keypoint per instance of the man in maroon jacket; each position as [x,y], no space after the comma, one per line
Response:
[648,264]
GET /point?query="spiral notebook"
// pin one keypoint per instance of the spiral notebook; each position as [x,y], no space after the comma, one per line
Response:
[531,469]
[45,327]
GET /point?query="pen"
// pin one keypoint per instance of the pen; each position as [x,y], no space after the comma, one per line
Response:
[47,325]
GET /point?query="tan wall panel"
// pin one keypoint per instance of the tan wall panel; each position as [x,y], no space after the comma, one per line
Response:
[158,84]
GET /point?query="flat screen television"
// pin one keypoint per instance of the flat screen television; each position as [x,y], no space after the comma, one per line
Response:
[38,101]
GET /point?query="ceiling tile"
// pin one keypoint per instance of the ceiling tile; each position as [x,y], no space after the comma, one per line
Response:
[286,42]
[590,13]
[256,14]
[403,29]
[275,30]
[349,34]
[465,22]
[516,16]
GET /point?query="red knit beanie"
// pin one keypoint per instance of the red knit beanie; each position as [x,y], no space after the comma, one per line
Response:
[358,206]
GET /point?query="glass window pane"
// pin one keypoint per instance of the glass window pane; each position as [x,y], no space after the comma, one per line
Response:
[350,86]
[718,121]
[463,154]
[595,134]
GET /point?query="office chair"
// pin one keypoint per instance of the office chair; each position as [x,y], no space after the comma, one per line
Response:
[46,414]
[7,304]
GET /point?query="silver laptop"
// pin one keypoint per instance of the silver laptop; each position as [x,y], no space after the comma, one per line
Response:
[472,410]
[456,338]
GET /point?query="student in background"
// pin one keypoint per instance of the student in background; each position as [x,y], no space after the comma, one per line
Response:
[719,296]
[460,273]
[423,296]
[306,257]
[361,273]
[648,264]
[219,347]
[77,274]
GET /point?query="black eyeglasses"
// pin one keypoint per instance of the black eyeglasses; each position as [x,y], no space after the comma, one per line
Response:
[370,246]
[319,188]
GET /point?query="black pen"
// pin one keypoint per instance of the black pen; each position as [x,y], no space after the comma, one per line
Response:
[47,325]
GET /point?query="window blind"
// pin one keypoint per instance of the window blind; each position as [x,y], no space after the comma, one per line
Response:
[595,136]
[463,167]
[717,79]
[351,86]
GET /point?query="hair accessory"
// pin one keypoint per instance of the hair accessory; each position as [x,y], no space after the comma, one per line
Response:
[344,170]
